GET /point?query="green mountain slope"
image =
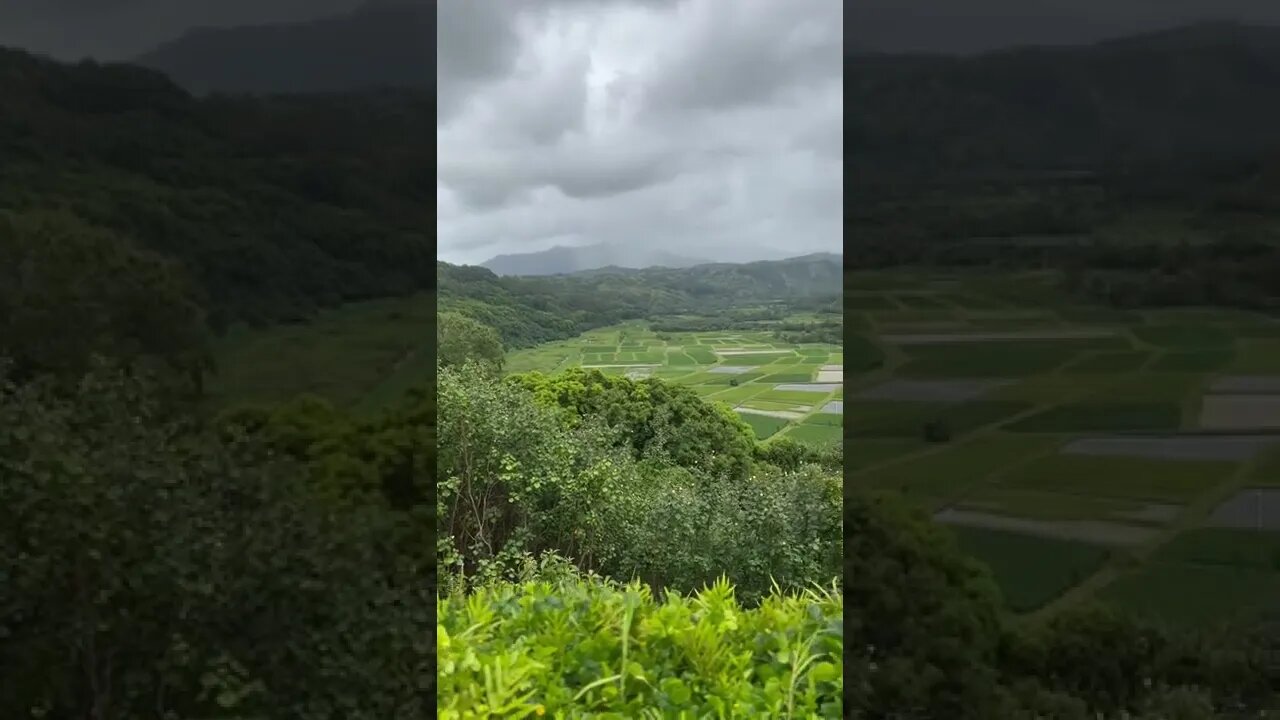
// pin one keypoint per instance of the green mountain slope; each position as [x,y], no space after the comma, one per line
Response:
[273,206]
[530,310]
[1211,89]
[560,260]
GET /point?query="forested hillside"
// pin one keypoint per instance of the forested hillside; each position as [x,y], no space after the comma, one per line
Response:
[565,260]
[1203,91]
[381,44]
[531,310]
[1147,165]
[271,208]
[154,563]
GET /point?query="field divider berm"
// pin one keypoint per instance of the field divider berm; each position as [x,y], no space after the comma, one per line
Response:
[973,435]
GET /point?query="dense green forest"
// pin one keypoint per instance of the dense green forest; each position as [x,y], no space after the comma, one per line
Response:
[273,207]
[531,310]
[1146,168]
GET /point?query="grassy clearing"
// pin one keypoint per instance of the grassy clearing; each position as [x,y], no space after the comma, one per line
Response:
[1010,358]
[951,471]
[1265,328]
[900,317]
[1147,387]
[1193,361]
[1049,506]
[1185,336]
[701,355]
[1266,473]
[1031,571]
[680,359]
[920,301]
[764,425]
[1178,593]
[1099,416]
[863,453]
[1254,549]
[787,377]
[415,370]
[756,359]
[854,302]
[735,395]
[1108,362]
[342,355]
[1257,357]
[863,354]
[815,433]
[887,418]
[1085,315]
[794,397]
[1038,389]
[1120,477]
[972,301]
[766,405]
[726,379]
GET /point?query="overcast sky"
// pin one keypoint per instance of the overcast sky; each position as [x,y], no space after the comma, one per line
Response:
[710,128]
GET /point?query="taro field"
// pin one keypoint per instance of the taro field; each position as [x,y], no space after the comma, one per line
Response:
[779,389]
[1081,452]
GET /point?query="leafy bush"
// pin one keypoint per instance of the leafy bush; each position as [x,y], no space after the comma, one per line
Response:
[148,570]
[517,475]
[652,415]
[572,648]
[70,291]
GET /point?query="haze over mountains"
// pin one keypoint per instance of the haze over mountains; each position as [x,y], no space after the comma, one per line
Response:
[562,260]
[381,44]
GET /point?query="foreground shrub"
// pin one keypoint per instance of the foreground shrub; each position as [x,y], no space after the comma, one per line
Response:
[583,647]
[516,475]
[148,570]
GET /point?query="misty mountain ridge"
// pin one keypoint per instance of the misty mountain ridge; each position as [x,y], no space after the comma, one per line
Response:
[561,260]
[604,257]
[379,45]
[1207,90]
[591,262]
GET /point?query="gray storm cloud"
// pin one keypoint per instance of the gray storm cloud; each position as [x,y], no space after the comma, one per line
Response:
[710,128]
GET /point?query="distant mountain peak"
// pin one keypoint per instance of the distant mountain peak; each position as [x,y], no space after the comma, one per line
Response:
[1197,34]
[381,44]
[561,260]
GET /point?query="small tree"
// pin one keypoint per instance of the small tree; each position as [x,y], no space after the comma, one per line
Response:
[460,338]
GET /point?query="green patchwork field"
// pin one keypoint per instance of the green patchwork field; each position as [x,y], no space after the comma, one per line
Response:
[780,389]
[1081,452]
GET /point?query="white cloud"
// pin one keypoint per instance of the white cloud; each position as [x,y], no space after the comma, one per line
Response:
[710,128]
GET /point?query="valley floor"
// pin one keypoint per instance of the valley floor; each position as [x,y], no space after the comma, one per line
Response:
[1092,453]
[780,389]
